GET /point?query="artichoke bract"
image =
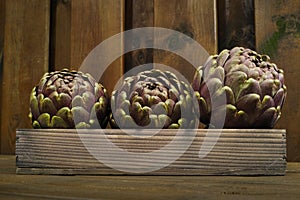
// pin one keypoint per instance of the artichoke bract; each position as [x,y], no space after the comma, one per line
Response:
[253,85]
[69,99]
[153,99]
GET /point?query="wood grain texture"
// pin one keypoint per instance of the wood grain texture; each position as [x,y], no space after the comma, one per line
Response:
[196,19]
[237,152]
[236,24]
[138,13]
[26,47]
[15,186]
[60,33]
[81,26]
[2,22]
[278,35]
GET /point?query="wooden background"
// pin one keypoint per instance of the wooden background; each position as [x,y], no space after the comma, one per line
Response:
[39,36]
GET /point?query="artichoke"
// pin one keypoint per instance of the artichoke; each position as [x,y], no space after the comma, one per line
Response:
[253,87]
[69,99]
[154,99]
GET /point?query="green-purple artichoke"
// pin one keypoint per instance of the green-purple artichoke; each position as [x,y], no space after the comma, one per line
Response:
[69,99]
[254,89]
[153,99]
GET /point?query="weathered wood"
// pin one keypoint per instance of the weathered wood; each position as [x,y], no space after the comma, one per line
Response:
[237,152]
[277,34]
[26,45]
[144,187]
[80,27]
[138,13]
[60,35]
[236,24]
[2,20]
[195,18]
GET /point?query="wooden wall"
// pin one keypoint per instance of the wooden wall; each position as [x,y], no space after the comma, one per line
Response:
[25,60]
[38,36]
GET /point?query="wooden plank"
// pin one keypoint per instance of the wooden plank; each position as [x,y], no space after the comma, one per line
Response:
[60,37]
[26,46]
[144,187]
[236,24]
[237,152]
[138,13]
[86,25]
[277,34]
[194,18]
[2,21]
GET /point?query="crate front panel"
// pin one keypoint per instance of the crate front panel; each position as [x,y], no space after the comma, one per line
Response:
[197,152]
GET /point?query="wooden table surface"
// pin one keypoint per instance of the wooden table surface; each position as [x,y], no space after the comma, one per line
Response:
[14,186]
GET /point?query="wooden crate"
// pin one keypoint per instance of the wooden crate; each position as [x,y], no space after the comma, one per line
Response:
[224,152]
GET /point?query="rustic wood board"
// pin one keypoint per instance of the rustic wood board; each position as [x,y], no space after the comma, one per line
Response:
[196,19]
[60,35]
[236,24]
[25,60]
[138,13]
[278,35]
[79,26]
[235,152]
[2,20]
[14,186]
